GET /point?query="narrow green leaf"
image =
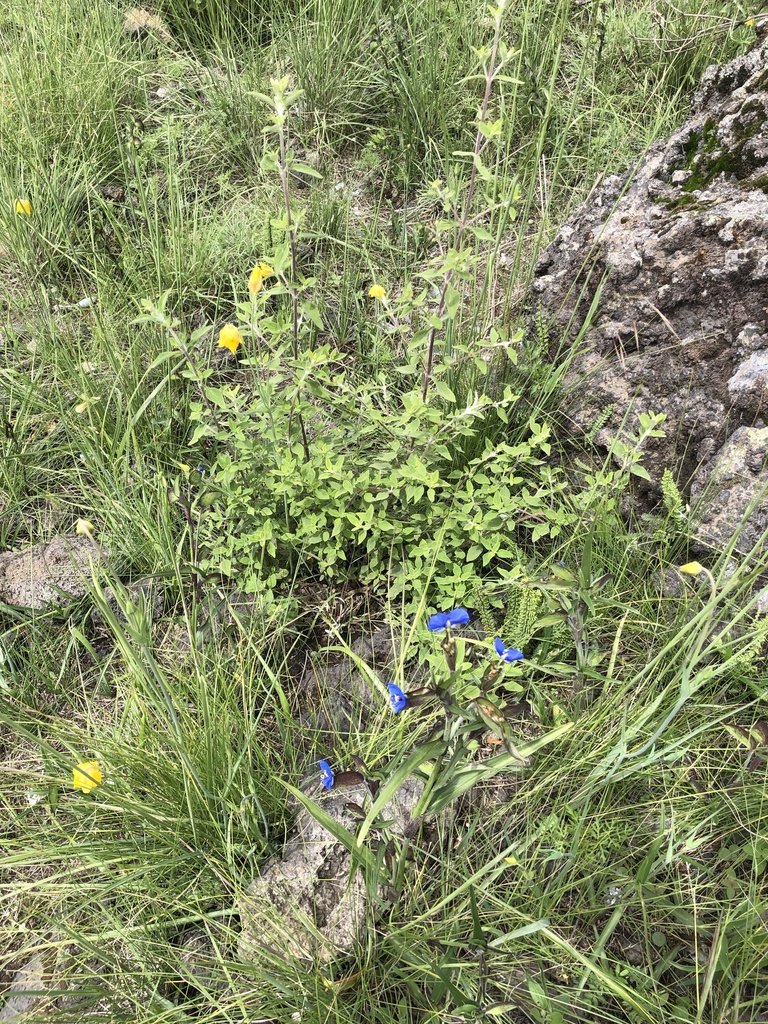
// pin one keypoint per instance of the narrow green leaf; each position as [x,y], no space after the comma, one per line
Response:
[361,854]
[519,933]
[395,781]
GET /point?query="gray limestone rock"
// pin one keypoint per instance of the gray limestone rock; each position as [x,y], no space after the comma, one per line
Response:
[732,489]
[339,688]
[53,572]
[307,904]
[28,991]
[674,257]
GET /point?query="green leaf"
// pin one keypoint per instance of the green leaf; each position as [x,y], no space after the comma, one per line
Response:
[481,169]
[489,129]
[519,933]
[313,313]
[483,234]
[740,735]
[539,531]
[305,169]
[452,301]
[470,776]
[269,162]
[478,935]
[406,767]
[444,391]
[359,853]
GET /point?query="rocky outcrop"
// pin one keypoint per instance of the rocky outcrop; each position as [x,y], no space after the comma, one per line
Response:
[671,260]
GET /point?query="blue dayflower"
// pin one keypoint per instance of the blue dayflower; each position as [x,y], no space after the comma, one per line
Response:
[397,698]
[507,653]
[455,617]
[326,774]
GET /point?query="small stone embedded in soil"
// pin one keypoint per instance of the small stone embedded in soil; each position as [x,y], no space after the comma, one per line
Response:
[51,573]
[27,992]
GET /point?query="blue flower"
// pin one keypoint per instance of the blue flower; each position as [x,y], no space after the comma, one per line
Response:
[456,617]
[326,774]
[507,653]
[397,698]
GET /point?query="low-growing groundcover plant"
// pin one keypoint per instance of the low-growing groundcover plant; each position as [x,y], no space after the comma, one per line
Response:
[388,422]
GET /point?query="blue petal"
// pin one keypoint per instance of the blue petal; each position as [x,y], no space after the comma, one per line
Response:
[458,617]
[512,654]
[438,622]
[326,774]
[508,654]
[397,698]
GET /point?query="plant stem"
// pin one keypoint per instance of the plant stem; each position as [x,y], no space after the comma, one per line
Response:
[291,229]
[282,165]
[490,74]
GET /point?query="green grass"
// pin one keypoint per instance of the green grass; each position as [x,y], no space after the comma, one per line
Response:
[621,876]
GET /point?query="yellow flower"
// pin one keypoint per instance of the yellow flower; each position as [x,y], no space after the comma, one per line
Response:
[84,528]
[23,206]
[750,22]
[692,568]
[87,776]
[376,291]
[230,337]
[258,275]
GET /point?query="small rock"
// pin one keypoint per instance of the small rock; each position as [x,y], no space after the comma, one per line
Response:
[670,263]
[54,572]
[140,23]
[305,904]
[201,962]
[732,489]
[339,688]
[27,991]
[752,373]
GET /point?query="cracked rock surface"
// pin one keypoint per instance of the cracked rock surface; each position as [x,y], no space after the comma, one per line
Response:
[305,904]
[674,257]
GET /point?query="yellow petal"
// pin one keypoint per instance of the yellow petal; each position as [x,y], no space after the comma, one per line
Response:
[376,291]
[258,274]
[692,568]
[84,528]
[86,776]
[23,206]
[230,337]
